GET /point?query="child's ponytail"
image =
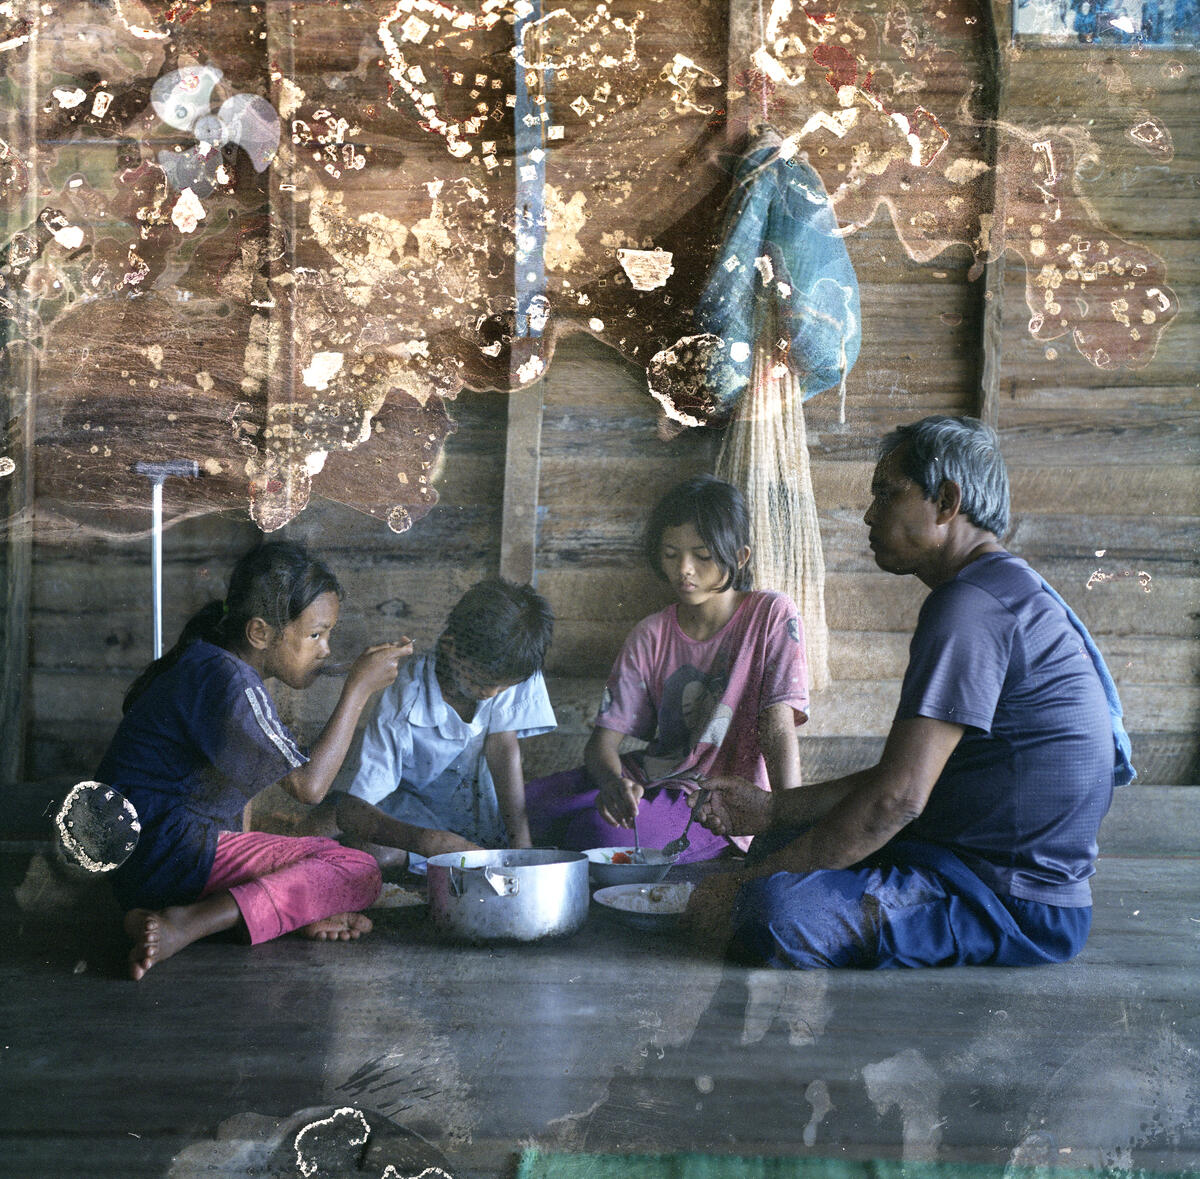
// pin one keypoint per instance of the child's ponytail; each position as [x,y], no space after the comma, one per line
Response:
[276,582]
[206,623]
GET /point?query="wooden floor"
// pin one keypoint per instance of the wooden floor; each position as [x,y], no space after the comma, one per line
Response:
[602,1042]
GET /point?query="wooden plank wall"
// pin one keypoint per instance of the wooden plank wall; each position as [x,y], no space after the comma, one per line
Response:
[1102,462]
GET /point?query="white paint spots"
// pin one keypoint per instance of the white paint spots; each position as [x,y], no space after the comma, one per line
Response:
[739,351]
[908,1082]
[704,1083]
[68,99]
[14,42]
[101,103]
[530,370]
[1101,577]
[538,313]
[558,41]
[962,170]
[685,78]
[75,809]
[290,95]
[1163,301]
[204,381]
[817,1095]
[7,466]
[188,212]
[1143,1099]
[596,325]
[796,999]
[139,31]
[348,1124]
[414,30]
[837,123]
[647,270]
[314,461]
[322,369]
[154,354]
[564,220]
[70,237]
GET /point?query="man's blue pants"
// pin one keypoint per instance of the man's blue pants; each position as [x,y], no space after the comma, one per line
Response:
[912,904]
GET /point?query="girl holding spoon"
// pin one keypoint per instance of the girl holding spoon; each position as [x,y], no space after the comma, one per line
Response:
[716,684]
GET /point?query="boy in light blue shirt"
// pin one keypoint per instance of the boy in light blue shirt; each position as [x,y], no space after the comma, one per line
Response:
[440,768]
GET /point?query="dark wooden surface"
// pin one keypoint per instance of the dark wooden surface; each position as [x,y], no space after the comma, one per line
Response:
[609,1041]
[1103,459]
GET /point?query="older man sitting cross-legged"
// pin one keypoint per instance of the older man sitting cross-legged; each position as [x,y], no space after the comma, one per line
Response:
[973,838]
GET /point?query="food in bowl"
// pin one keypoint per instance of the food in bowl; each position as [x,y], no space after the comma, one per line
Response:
[617,865]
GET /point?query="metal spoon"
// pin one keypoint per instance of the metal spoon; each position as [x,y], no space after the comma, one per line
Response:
[638,857]
[677,847]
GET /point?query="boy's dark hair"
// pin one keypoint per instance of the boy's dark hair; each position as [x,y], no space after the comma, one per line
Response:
[718,512]
[503,628]
[276,582]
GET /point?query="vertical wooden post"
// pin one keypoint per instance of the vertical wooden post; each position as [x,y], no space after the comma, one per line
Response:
[522,465]
[999,17]
[18,376]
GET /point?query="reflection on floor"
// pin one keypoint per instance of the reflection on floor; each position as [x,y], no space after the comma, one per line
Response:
[607,1041]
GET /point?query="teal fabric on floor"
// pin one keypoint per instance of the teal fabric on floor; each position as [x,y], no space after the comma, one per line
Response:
[536,1164]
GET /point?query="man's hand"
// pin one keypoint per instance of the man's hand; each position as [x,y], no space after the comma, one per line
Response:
[735,807]
[710,907]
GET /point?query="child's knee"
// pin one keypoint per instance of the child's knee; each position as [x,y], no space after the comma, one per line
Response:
[359,867]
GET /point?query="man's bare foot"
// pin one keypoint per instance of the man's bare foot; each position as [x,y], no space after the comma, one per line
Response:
[341,927]
[155,938]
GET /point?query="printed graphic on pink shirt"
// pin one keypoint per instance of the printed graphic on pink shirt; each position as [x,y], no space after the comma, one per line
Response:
[697,703]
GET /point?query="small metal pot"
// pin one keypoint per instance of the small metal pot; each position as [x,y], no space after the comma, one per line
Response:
[513,895]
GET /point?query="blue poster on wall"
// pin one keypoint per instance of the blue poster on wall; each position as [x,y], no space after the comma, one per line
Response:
[1150,23]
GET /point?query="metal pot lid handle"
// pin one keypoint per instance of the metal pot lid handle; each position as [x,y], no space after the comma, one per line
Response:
[502,886]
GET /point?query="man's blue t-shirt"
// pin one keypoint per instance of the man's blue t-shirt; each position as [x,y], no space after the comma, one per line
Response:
[195,747]
[1021,798]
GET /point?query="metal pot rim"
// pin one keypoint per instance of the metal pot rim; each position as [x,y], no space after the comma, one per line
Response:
[515,858]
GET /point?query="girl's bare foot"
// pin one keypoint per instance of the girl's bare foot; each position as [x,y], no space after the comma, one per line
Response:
[341,927]
[155,938]
[157,934]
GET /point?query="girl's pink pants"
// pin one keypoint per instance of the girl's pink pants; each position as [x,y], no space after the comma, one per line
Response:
[281,882]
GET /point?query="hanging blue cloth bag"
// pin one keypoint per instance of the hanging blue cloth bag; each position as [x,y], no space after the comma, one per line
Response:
[781,247]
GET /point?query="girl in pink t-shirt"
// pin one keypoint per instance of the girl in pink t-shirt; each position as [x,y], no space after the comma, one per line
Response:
[716,684]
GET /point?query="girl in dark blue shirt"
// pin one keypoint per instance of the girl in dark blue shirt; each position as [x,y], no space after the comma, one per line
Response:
[201,736]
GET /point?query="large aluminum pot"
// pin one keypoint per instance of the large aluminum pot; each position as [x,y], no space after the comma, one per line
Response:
[508,895]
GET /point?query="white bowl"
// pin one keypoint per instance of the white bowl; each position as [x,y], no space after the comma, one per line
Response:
[601,869]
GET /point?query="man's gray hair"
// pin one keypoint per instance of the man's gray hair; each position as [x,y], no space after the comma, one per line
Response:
[962,450]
